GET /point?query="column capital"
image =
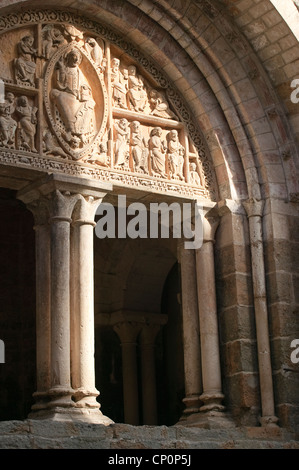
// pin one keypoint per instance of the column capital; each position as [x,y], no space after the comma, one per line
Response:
[127,331]
[85,210]
[40,211]
[230,206]
[65,184]
[254,207]
[210,223]
[149,332]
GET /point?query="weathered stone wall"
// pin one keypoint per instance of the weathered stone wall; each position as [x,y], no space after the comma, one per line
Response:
[32,434]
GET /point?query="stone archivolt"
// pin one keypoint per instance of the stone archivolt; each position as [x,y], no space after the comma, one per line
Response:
[71,103]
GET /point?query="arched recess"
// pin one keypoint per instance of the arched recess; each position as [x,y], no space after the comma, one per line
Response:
[138,321]
[246,131]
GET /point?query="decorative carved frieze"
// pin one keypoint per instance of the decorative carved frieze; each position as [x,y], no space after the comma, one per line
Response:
[81,100]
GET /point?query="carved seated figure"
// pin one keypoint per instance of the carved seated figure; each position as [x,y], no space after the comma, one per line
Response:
[119,85]
[136,94]
[159,106]
[24,64]
[7,124]
[73,99]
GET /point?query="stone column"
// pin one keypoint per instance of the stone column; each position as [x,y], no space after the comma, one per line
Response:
[212,395]
[61,194]
[148,373]
[192,366]
[61,207]
[82,302]
[128,332]
[254,209]
[43,303]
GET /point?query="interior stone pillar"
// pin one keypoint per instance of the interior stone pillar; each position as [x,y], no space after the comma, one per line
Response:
[254,209]
[82,302]
[148,372]
[192,358]
[128,332]
[212,395]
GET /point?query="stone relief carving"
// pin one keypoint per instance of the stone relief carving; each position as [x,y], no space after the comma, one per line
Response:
[26,125]
[24,64]
[122,143]
[157,149]
[159,105]
[73,98]
[119,84]
[137,95]
[8,125]
[52,38]
[139,147]
[176,153]
[78,68]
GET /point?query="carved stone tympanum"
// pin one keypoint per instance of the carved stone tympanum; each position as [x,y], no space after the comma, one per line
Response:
[76,103]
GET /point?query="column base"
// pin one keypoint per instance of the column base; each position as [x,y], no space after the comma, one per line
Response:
[61,397]
[212,401]
[192,404]
[269,421]
[72,415]
[86,398]
[208,420]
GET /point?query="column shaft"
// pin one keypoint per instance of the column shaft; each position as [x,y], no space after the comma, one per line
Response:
[254,211]
[208,321]
[192,366]
[43,305]
[148,373]
[82,295]
[60,309]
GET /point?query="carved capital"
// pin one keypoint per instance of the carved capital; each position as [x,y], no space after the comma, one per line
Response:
[230,206]
[148,334]
[254,207]
[61,205]
[40,211]
[127,331]
[85,210]
[210,223]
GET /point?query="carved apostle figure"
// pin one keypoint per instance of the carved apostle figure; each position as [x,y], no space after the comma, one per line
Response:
[157,150]
[72,96]
[159,106]
[175,155]
[139,147]
[95,50]
[7,124]
[119,85]
[137,94]
[194,177]
[121,142]
[26,125]
[24,65]
[52,39]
